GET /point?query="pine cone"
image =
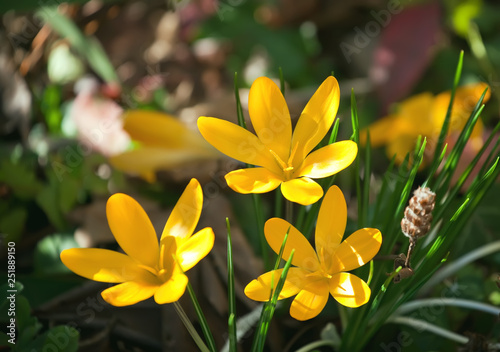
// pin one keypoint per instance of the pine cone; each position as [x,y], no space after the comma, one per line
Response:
[418,214]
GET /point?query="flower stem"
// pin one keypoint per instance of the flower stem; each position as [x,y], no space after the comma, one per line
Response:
[257,204]
[203,322]
[190,328]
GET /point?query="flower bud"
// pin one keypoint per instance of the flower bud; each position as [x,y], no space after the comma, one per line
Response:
[418,214]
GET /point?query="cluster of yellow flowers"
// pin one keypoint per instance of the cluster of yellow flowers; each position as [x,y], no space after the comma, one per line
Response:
[282,158]
[423,115]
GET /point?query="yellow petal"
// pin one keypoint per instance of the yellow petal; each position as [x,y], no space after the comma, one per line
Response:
[302,190]
[401,146]
[329,160]
[186,213]
[252,180]
[356,250]
[476,138]
[156,129]
[381,131]
[195,248]
[310,301]
[236,142]
[148,160]
[102,265]
[349,290]
[128,293]
[330,227]
[270,116]
[466,98]
[172,290]
[316,119]
[168,252]
[260,289]
[415,115]
[132,229]
[305,257]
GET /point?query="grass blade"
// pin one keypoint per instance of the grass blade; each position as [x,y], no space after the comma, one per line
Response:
[231,292]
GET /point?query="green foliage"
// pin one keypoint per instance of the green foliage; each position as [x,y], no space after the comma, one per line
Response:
[47,251]
[287,49]
[29,334]
[87,47]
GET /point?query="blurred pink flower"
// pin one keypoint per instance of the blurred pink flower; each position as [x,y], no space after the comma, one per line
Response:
[98,121]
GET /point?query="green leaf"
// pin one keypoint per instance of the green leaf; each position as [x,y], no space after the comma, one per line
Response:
[4,339]
[87,47]
[231,291]
[47,251]
[68,193]
[61,338]
[20,178]
[48,200]
[12,222]
[209,339]
[446,122]
[24,319]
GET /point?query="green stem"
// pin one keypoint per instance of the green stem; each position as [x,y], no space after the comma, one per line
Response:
[201,318]
[257,203]
[190,328]
[343,317]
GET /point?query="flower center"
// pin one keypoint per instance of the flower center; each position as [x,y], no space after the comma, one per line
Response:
[164,275]
[286,168]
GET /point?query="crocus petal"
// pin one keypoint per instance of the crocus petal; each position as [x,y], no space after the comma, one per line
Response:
[310,301]
[356,250]
[236,142]
[400,147]
[195,248]
[304,257]
[381,131]
[316,119]
[329,160]
[260,289]
[252,180]
[476,137]
[270,116]
[155,128]
[102,265]
[349,290]
[302,190]
[168,256]
[147,160]
[171,290]
[466,98]
[186,213]
[414,115]
[128,293]
[330,227]
[132,229]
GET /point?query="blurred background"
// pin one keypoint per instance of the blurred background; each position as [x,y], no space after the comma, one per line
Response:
[71,72]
